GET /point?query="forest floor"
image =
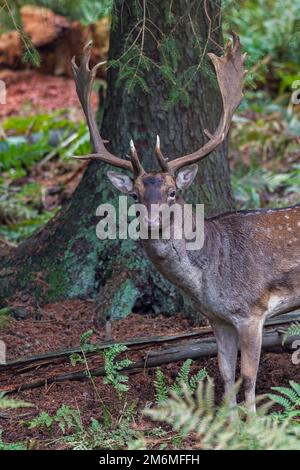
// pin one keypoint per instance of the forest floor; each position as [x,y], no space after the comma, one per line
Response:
[30,92]
[59,326]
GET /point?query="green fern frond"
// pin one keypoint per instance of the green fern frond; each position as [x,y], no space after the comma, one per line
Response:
[284,402]
[290,405]
[288,392]
[213,429]
[293,330]
[11,403]
[160,387]
[182,376]
[295,386]
[112,367]
[199,377]
[183,379]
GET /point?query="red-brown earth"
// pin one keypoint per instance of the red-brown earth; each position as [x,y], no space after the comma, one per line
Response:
[59,326]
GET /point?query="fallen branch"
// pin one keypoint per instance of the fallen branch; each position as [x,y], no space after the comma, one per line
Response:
[205,347]
[284,318]
[139,342]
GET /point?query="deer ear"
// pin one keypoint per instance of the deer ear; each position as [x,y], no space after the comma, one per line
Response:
[122,182]
[186,176]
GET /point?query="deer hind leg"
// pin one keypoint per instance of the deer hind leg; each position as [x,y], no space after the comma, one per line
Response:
[227,342]
[250,337]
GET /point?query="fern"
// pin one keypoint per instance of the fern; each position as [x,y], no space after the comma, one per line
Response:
[42,420]
[11,445]
[160,387]
[11,403]
[295,386]
[182,376]
[68,418]
[212,428]
[85,340]
[195,379]
[95,435]
[162,391]
[288,399]
[293,330]
[113,367]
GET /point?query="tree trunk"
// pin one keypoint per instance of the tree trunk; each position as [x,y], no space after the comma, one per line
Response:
[65,259]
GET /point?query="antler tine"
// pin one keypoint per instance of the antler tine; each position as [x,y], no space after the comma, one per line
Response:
[230,74]
[84,78]
[163,162]
[137,166]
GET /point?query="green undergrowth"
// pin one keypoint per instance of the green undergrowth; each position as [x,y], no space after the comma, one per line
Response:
[183,413]
[28,144]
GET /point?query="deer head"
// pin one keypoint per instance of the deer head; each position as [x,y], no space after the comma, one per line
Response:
[163,187]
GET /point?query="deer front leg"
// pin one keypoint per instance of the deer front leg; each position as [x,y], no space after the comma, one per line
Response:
[250,336]
[227,342]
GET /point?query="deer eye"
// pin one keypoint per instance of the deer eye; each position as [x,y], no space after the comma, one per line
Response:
[172,194]
[135,196]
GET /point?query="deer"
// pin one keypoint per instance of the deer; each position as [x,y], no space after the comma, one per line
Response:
[248,268]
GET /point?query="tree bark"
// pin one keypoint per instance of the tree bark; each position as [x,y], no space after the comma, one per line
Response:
[65,259]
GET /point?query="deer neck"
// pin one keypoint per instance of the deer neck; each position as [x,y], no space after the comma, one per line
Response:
[183,267]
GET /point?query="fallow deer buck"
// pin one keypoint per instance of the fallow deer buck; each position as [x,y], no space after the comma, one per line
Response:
[249,266]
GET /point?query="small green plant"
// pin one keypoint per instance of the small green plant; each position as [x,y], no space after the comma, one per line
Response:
[183,378]
[269,33]
[68,418]
[293,330]
[161,389]
[42,420]
[30,138]
[65,417]
[251,184]
[11,445]
[11,403]
[112,368]
[21,210]
[94,436]
[112,377]
[85,346]
[196,417]
[288,399]
[28,141]
[5,318]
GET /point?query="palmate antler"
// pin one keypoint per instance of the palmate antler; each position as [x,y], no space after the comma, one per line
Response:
[84,78]
[230,75]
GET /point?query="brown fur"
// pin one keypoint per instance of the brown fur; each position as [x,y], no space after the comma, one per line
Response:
[247,270]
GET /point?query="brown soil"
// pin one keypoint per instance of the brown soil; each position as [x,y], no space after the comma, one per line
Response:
[29,92]
[59,326]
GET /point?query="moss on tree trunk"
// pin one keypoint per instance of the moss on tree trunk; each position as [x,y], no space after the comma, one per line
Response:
[65,259]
